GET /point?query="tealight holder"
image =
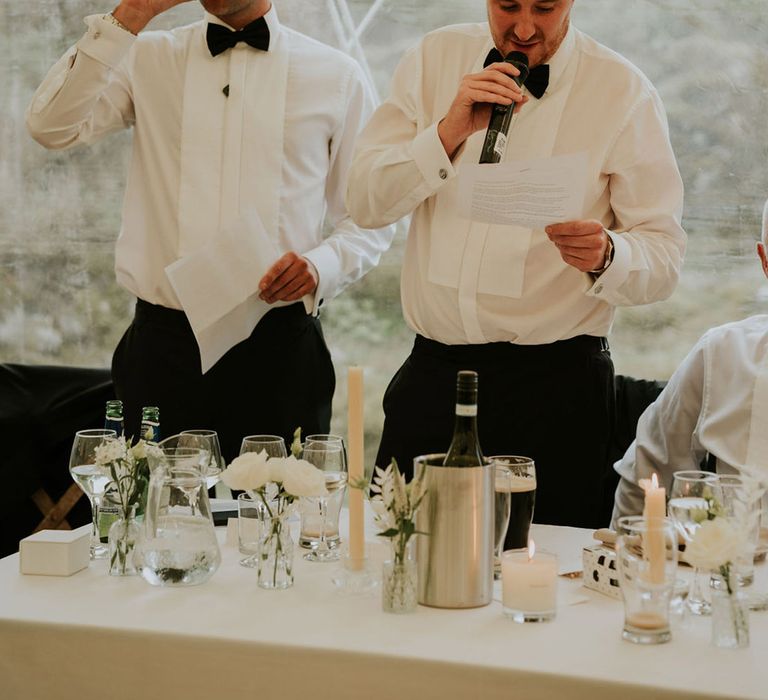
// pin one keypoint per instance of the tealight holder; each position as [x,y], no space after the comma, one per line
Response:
[355,577]
[646,553]
[529,585]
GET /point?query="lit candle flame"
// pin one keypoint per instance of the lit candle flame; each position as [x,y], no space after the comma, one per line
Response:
[654,481]
[531,549]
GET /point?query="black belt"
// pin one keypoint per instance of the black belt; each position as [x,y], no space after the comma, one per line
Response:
[504,352]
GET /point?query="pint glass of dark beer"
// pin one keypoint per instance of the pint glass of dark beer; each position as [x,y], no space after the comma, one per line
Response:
[522,496]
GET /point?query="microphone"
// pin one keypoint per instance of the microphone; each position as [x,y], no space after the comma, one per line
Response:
[498,126]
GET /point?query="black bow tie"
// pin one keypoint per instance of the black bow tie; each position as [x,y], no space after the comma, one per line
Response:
[255,34]
[538,77]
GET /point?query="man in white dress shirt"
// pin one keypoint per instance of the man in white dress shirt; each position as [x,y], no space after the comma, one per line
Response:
[233,117]
[528,309]
[714,407]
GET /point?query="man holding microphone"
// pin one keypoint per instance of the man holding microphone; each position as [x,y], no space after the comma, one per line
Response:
[528,309]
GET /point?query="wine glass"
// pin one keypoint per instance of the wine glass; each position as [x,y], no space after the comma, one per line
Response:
[91,478]
[327,439]
[322,513]
[502,507]
[208,441]
[273,445]
[690,499]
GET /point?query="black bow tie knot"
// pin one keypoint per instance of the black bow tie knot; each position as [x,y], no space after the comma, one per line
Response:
[538,77]
[255,34]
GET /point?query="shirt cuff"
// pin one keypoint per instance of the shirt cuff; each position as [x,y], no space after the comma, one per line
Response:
[328,268]
[617,272]
[431,159]
[105,42]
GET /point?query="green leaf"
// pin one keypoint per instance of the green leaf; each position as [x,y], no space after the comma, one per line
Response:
[391,532]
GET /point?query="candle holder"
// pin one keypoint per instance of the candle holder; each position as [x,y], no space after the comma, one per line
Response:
[529,585]
[646,552]
[355,578]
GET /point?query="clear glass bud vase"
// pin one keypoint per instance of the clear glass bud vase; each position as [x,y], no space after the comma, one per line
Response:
[399,579]
[730,615]
[275,552]
[123,535]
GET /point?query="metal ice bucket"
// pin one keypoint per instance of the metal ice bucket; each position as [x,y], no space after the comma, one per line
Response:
[455,558]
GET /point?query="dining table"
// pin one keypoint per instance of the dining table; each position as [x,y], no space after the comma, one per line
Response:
[92,635]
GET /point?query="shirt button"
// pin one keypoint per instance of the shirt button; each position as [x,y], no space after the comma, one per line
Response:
[598,289]
[96,33]
[443,173]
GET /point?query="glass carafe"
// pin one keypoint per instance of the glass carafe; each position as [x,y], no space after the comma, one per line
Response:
[178,546]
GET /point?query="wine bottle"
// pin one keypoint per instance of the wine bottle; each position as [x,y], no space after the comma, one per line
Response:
[464,450]
[150,424]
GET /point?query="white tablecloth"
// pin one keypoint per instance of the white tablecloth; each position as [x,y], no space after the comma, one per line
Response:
[96,636]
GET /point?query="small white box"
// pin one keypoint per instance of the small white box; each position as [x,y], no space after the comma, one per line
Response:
[600,573]
[55,552]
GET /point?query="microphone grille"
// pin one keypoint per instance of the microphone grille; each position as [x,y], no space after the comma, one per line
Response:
[520,61]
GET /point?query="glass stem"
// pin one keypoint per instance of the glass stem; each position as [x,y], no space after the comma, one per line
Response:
[95,539]
[323,516]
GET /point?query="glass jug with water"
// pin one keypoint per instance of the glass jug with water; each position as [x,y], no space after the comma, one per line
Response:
[178,546]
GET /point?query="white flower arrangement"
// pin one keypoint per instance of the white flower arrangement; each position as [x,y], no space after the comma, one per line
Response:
[282,478]
[395,505]
[716,544]
[128,468]
[277,482]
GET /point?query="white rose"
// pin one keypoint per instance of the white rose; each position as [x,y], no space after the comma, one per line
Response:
[716,543]
[248,472]
[300,478]
[110,450]
[278,467]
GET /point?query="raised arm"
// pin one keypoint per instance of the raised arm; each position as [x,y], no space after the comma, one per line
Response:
[87,93]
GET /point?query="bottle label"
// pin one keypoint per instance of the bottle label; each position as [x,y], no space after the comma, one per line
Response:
[501,145]
[463,409]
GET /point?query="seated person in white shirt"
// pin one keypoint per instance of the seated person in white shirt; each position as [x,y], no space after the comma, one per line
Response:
[233,116]
[715,405]
[527,309]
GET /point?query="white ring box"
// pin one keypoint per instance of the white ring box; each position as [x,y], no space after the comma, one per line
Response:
[55,552]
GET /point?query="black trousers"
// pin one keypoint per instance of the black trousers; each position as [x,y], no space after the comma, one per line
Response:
[554,403]
[278,379]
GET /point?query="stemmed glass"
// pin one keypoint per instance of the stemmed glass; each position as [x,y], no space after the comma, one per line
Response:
[690,500]
[502,507]
[326,438]
[208,442]
[90,478]
[328,457]
[273,445]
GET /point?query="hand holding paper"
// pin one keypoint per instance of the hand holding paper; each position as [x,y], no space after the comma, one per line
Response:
[527,193]
[582,244]
[289,279]
[218,286]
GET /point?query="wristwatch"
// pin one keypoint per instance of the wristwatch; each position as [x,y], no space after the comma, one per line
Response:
[608,259]
[113,20]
